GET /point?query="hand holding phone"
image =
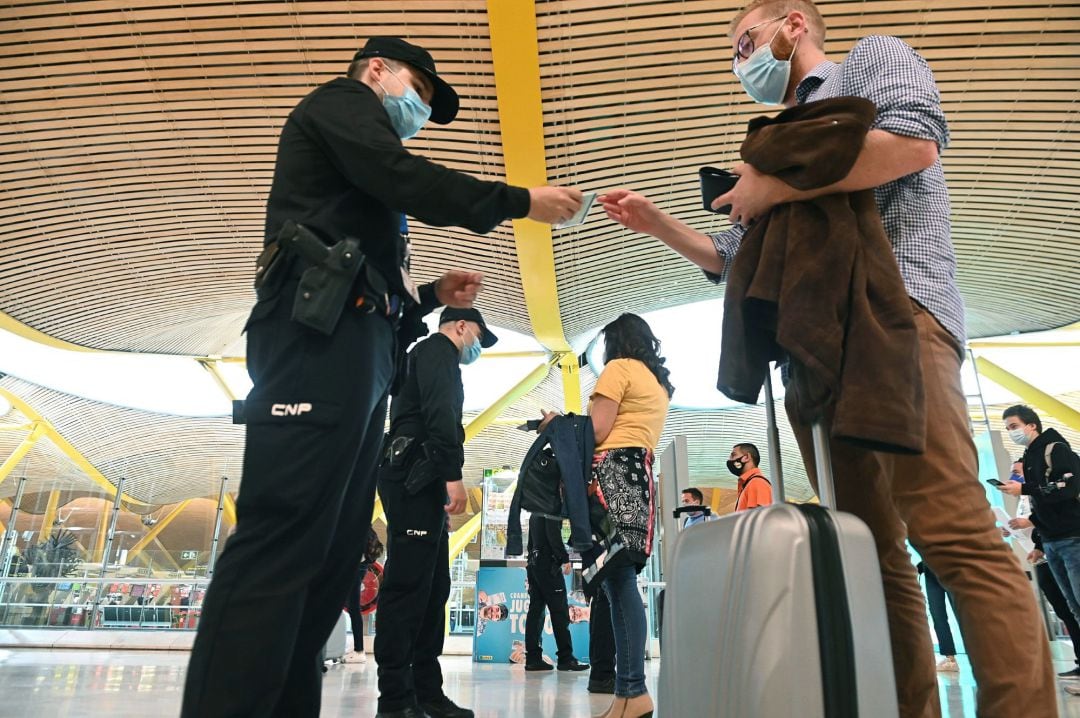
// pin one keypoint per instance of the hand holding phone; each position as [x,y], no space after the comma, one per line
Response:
[995,482]
[716,182]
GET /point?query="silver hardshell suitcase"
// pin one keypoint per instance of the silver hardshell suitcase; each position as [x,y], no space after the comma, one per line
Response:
[777,612]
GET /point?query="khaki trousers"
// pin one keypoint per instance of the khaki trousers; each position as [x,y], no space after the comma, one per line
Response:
[936,501]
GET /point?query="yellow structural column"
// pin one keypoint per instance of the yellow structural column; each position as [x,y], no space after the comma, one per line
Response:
[21,450]
[156,529]
[1029,393]
[516,58]
[102,532]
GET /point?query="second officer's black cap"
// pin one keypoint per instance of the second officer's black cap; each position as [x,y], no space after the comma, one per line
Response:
[452,314]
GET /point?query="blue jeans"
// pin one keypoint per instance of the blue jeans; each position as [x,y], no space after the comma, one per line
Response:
[1063,556]
[628,622]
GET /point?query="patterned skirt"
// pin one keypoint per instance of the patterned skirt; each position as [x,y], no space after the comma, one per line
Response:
[622,481]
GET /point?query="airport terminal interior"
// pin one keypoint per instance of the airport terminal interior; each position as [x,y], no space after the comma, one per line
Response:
[138,142]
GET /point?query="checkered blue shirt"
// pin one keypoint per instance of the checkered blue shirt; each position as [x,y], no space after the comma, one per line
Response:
[915,208]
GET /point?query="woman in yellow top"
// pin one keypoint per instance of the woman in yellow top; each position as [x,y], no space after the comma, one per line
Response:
[628,409]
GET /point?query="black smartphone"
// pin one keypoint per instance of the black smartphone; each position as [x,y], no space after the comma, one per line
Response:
[715,182]
[995,482]
[530,425]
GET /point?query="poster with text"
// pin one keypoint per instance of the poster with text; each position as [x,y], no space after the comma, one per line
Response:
[502,605]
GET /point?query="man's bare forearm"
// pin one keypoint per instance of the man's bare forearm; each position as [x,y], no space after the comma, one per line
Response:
[690,243]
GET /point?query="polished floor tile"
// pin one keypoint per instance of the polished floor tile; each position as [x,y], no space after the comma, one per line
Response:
[80,684]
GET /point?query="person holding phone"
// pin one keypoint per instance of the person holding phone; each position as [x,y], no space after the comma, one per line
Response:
[934,499]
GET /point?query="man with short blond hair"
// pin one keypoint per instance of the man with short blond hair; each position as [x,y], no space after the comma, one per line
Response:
[933,499]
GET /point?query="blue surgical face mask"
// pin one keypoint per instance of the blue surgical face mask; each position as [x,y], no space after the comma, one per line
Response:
[470,352]
[764,77]
[408,112]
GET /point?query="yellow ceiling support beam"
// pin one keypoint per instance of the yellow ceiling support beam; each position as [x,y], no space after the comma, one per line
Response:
[50,515]
[210,365]
[166,553]
[379,514]
[516,58]
[156,529]
[21,450]
[1029,393]
[17,427]
[230,508]
[14,326]
[523,387]
[50,432]
[461,538]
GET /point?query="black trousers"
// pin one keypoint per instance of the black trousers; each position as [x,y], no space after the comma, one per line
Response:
[935,598]
[1050,588]
[547,589]
[411,621]
[601,640]
[352,605]
[314,428]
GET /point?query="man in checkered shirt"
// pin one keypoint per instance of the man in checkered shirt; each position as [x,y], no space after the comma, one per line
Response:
[935,499]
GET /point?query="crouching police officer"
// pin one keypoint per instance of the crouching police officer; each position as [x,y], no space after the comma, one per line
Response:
[420,483]
[334,302]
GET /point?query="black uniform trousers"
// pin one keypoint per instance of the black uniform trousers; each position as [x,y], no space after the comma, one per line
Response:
[547,588]
[1057,600]
[601,639]
[411,622]
[315,420]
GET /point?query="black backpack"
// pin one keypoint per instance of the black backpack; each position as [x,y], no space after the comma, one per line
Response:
[539,485]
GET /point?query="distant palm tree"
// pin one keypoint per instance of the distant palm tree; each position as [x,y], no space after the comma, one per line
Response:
[55,557]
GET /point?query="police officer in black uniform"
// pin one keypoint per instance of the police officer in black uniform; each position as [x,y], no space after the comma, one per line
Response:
[547,563]
[334,304]
[420,483]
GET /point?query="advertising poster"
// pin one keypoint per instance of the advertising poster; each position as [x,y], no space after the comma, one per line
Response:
[503,603]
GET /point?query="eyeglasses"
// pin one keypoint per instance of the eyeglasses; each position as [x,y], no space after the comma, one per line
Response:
[744,48]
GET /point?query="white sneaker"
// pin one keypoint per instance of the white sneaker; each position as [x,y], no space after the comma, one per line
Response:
[948,664]
[355,657]
[1071,689]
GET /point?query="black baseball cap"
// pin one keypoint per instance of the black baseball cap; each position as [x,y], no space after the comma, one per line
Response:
[452,314]
[444,101]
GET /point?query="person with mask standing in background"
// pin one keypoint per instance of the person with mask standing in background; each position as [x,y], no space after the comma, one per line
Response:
[933,499]
[419,484]
[322,364]
[1051,473]
[754,489]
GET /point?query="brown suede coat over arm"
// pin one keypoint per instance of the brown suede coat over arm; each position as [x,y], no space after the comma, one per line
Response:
[816,282]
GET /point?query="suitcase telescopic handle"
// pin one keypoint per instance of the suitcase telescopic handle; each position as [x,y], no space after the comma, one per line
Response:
[822,456]
[691,509]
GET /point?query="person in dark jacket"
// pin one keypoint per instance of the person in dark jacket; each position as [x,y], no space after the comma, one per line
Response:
[316,413]
[548,562]
[1052,480]
[419,484]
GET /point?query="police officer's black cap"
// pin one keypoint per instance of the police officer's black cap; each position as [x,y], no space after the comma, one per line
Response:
[451,314]
[444,101]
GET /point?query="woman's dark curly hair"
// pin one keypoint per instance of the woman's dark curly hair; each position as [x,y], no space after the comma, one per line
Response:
[629,337]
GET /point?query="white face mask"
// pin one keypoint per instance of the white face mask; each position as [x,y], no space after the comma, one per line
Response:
[1019,436]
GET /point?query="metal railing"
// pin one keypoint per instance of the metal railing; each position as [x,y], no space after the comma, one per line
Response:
[109,602]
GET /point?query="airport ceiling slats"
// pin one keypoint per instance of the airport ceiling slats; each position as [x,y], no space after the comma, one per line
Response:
[138,143]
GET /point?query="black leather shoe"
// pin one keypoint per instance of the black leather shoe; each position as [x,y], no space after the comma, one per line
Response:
[539,666]
[573,665]
[602,686]
[443,707]
[410,712]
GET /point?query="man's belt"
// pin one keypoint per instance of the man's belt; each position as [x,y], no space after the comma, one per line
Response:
[327,282]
